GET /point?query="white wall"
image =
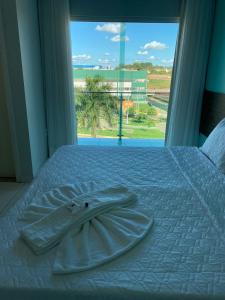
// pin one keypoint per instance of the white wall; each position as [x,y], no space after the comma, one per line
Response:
[126,10]
[20,49]
[14,90]
[7,168]
[27,14]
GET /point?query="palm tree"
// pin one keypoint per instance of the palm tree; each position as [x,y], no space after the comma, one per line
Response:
[95,104]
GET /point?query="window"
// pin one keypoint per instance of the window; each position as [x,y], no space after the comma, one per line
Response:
[122,75]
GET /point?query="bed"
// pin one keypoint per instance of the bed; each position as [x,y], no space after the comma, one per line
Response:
[183,255]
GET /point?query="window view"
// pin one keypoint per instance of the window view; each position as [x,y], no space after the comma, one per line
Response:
[122,74]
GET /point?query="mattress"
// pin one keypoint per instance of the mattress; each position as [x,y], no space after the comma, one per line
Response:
[183,256]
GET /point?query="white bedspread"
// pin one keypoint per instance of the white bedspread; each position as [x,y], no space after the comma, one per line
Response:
[86,236]
[182,258]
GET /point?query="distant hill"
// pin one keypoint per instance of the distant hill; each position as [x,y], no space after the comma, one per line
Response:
[146,66]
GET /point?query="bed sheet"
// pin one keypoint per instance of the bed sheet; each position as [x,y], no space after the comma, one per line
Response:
[183,256]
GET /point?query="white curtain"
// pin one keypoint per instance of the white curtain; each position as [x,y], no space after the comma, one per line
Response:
[54,18]
[189,72]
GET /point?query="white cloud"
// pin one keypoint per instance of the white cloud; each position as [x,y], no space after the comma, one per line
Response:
[107,53]
[103,61]
[81,57]
[117,38]
[167,61]
[142,52]
[109,27]
[152,57]
[155,45]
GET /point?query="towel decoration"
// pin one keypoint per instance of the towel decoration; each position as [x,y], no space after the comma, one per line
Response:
[89,226]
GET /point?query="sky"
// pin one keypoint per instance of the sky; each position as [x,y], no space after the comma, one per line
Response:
[98,43]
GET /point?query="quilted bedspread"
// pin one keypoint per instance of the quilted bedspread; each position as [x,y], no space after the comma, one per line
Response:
[182,257]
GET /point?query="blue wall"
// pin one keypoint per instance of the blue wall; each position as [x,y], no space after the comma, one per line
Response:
[215,80]
[216,69]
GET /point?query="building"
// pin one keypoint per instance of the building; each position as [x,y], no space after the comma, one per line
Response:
[132,83]
[88,67]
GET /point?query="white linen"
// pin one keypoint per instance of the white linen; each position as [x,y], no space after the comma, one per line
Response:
[214,146]
[63,209]
[86,236]
[183,257]
[103,239]
[54,31]
[189,72]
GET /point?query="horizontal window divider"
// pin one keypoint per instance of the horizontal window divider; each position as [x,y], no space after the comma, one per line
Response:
[114,92]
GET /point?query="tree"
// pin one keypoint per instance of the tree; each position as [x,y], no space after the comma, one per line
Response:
[136,66]
[145,112]
[95,104]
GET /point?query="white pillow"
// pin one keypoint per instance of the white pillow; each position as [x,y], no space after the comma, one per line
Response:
[214,146]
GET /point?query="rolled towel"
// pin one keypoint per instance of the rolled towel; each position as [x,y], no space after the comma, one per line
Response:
[48,231]
[102,239]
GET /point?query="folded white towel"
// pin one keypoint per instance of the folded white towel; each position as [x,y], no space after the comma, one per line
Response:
[101,240]
[47,232]
[89,225]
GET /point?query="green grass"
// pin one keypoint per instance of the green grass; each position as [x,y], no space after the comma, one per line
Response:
[137,133]
[133,122]
[143,129]
[159,84]
[129,131]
